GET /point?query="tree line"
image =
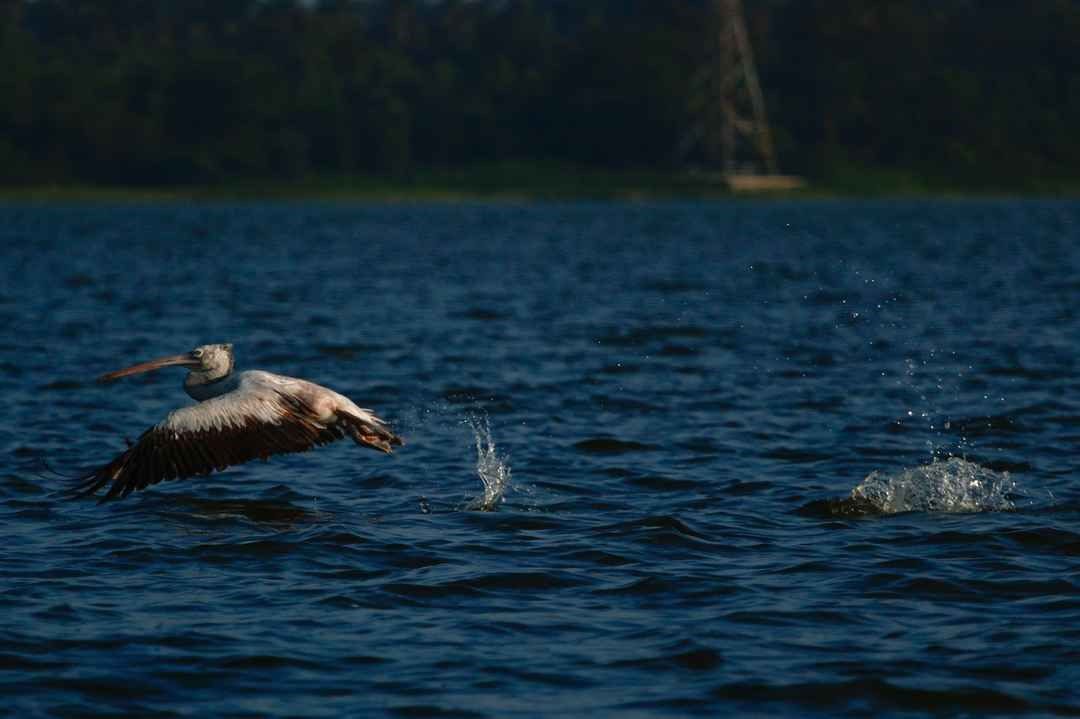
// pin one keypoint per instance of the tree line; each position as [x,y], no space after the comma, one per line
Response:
[196,91]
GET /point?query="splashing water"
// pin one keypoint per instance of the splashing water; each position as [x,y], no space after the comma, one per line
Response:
[951,485]
[493,470]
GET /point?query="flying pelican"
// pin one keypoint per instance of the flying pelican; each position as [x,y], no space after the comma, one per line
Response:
[239,416]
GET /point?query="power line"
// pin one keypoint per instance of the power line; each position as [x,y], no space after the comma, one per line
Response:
[729,126]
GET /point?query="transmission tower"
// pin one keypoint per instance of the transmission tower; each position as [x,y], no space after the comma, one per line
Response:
[726,104]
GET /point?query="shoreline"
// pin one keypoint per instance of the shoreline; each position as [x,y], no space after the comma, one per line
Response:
[530,183]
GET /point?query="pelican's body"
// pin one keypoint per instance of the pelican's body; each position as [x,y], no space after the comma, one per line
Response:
[238,417]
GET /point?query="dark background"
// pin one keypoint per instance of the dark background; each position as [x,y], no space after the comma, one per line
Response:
[115,92]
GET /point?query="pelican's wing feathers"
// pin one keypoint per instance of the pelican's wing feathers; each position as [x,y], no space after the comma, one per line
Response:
[266,414]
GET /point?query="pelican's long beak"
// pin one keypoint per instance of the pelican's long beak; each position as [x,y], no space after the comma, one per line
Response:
[184,360]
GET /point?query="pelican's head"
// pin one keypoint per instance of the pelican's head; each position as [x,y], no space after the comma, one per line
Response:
[207,362]
[216,361]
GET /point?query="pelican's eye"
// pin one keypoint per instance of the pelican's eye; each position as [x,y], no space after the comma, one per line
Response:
[197,354]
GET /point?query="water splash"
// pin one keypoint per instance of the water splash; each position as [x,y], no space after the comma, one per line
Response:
[950,485]
[493,470]
[455,425]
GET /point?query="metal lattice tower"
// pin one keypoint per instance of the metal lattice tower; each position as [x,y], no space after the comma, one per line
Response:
[726,103]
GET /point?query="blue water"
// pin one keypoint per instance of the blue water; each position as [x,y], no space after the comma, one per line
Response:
[663,460]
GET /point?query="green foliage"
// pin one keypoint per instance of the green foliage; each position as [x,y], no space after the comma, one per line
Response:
[862,94]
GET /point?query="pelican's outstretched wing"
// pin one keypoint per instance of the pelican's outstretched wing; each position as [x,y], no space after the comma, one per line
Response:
[257,419]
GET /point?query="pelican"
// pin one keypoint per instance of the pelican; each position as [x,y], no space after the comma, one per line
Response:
[238,416]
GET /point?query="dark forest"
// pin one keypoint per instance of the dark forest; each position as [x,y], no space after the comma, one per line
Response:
[129,92]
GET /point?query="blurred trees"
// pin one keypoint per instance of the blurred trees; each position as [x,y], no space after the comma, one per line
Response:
[183,91]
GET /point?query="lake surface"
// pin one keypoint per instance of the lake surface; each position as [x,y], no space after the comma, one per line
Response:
[662,460]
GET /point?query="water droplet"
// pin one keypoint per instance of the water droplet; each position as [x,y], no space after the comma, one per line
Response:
[492,469]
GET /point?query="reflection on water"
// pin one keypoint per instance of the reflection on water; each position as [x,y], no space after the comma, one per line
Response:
[278,513]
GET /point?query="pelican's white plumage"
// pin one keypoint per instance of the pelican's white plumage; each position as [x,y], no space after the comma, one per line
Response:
[257,396]
[239,417]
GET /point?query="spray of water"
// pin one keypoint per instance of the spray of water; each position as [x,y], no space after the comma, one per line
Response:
[950,485]
[491,467]
[493,470]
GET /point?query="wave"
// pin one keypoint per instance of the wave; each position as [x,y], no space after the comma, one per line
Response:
[947,485]
[611,445]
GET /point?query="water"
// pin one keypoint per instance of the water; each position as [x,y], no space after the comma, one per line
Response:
[492,469]
[663,460]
